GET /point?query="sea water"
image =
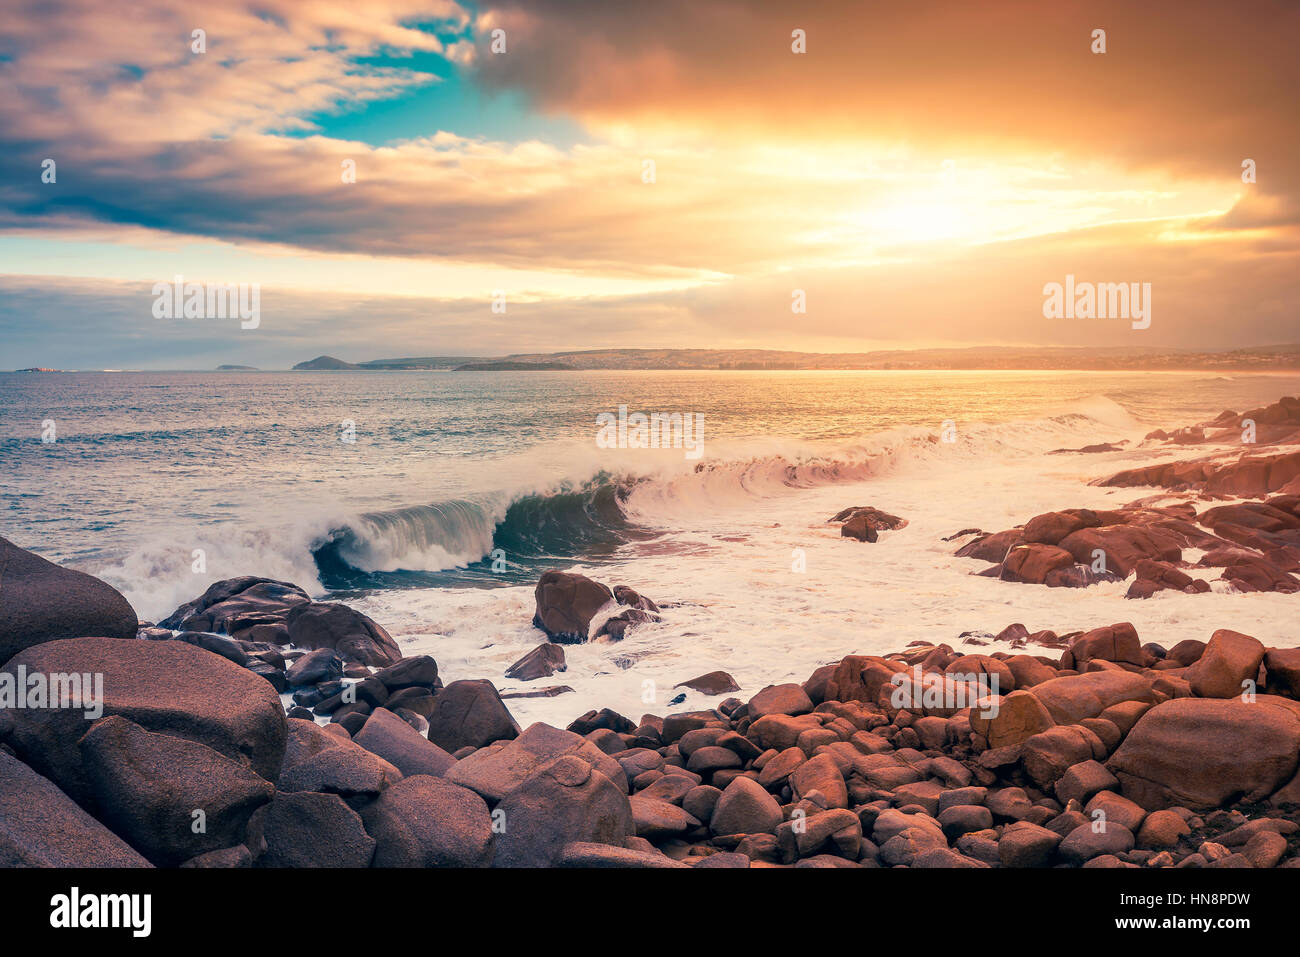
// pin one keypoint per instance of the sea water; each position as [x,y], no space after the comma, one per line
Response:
[431,501]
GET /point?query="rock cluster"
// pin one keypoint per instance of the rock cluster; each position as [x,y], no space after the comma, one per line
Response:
[1117,753]
[1256,544]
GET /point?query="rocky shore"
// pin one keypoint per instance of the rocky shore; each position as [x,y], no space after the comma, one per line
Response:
[257,727]
[1112,753]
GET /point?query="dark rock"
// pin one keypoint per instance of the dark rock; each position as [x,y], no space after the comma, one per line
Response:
[714,683]
[39,601]
[542,662]
[323,664]
[418,670]
[566,604]
[307,829]
[245,607]
[167,687]
[170,798]
[40,826]
[217,644]
[563,802]
[424,821]
[354,636]
[604,718]
[550,691]
[399,744]
[469,713]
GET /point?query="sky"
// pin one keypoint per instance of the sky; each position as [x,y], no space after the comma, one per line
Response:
[576,174]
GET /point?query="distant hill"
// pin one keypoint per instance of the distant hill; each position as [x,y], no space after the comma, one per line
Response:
[427,362]
[237,369]
[321,363]
[507,365]
[1256,358]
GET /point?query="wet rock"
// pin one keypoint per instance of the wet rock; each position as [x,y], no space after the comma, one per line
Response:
[470,713]
[417,671]
[353,635]
[1032,563]
[542,662]
[567,603]
[323,664]
[713,683]
[244,607]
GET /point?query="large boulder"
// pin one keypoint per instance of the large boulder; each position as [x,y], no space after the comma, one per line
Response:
[1071,698]
[789,699]
[566,801]
[170,798]
[1122,546]
[246,607]
[1006,720]
[308,829]
[424,821]
[745,807]
[1228,662]
[1203,753]
[1283,667]
[495,772]
[354,636]
[40,826]
[1032,563]
[860,678]
[1117,643]
[566,604]
[388,736]
[40,601]
[168,687]
[469,713]
[316,760]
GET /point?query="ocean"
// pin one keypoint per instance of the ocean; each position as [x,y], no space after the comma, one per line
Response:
[457,489]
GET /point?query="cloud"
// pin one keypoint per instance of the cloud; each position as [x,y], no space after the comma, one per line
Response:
[770,169]
[1211,294]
